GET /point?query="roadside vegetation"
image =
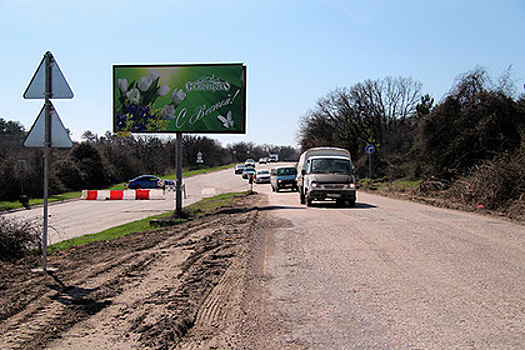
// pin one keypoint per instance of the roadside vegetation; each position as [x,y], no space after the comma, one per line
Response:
[18,238]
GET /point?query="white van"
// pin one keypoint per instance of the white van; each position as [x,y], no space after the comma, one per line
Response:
[326,173]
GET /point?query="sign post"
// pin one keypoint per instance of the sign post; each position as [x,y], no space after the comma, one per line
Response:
[48,82]
[200,160]
[47,143]
[370,149]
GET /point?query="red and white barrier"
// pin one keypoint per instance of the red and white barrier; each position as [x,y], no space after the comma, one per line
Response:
[123,194]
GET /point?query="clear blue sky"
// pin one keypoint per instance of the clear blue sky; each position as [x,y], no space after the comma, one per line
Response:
[296,51]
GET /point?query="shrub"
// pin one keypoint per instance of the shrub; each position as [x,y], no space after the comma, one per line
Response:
[17,238]
[496,185]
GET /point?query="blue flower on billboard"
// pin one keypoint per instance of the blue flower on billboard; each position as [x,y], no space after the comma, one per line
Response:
[136,111]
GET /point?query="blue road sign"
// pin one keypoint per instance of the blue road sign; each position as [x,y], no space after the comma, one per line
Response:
[370,149]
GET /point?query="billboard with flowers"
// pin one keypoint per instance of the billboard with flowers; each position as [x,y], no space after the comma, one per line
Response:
[192,98]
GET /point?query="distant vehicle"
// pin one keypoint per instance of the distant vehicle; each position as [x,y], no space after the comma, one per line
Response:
[274,158]
[146,181]
[283,177]
[262,176]
[169,184]
[264,160]
[247,172]
[239,168]
[326,173]
[250,162]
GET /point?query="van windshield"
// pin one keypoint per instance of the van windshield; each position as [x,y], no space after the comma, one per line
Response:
[286,171]
[327,165]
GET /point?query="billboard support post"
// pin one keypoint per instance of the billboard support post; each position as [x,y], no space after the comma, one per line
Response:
[178,183]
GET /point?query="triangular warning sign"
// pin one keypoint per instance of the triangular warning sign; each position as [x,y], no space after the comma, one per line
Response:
[37,86]
[37,134]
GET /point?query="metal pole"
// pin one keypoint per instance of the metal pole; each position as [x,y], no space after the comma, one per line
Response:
[178,182]
[47,144]
[370,168]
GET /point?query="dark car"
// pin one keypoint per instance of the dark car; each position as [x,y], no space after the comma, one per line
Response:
[247,172]
[169,184]
[146,181]
[283,177]
[239,168]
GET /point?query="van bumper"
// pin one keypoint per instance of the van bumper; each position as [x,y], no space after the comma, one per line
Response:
[322,194]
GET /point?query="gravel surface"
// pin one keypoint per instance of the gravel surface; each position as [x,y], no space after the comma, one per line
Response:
[393,274]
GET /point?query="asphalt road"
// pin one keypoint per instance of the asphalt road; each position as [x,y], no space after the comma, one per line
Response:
[80,217]
[393,274]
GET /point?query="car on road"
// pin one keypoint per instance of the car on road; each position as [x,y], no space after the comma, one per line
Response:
[283,177]
[262,176]
[248,171]
[239,168]
[249,162]
[169,184]
[147,181]
[264,160]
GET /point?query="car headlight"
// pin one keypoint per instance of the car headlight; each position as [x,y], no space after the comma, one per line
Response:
[314,184]
[352,186]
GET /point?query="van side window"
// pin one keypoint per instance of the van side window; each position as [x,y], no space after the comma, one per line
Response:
[308,166]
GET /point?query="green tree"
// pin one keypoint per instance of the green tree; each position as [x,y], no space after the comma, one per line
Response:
[475,122]
[91,167]
[382,111]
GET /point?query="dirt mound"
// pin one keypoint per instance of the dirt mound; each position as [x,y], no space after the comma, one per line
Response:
[178,287]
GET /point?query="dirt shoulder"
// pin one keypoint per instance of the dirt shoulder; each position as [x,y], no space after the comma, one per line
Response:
[196,285]
[442,199]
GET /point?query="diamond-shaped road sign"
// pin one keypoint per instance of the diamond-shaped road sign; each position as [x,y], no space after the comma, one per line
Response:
[59,86]
[59,135]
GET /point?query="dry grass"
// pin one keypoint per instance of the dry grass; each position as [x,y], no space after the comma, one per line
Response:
[18,238]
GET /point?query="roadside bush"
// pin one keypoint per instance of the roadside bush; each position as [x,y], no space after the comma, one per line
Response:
[17,238]
[495,185]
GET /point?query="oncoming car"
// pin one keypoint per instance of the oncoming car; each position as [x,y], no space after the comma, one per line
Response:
[146,181]
[262,176]
[250,162]
[248,171]
[239,168]
[284,177]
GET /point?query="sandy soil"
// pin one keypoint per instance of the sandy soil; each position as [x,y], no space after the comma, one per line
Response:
[193,286]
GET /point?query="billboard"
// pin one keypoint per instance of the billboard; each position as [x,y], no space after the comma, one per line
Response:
[187,98]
